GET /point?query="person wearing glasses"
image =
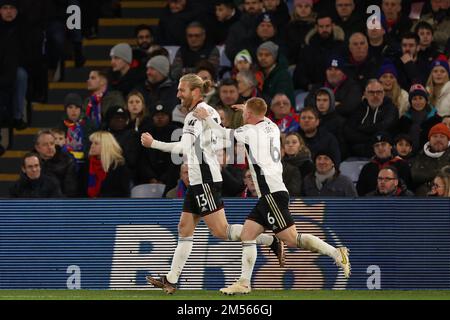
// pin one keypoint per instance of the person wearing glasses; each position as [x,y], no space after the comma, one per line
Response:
[196,49]
[441,184]
[389,185]
[376,113]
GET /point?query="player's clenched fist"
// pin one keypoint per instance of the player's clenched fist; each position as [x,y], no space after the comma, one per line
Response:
[201,113]
[146,139]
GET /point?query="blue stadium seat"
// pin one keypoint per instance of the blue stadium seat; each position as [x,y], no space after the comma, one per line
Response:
[148,190]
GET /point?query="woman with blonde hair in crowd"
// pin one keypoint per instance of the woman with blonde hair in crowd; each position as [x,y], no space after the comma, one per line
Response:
[441,184]
[438,85]
[105,174]
[388,76]
[139,118]
[296,153]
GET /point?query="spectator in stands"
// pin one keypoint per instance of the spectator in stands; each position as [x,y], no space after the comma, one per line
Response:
[159,86]
[32,183]
[144,40]
[407,64]
[384,157]
[388,76]
[279,11]
[322,41]
[232,184]
[376,113]
[348,18]
[420,117]
[229,96]
[439,19]
[250,189]
[276,77]
[174,20]
[361,65]
[326,179]
[397,23]
[296,153]
[302,22]
[195,50]
[139,119]
[428,49]
[77,127]
[242,31]
[60,138]
[434,156]
[446,120]
[117,120]
[155,166]
[346,91]
[441,185]
[123,77]
[226,14]
[100,98]
[438,86]
[207,71]
[266,30]
[389,185]
[379,47]
[56,163]
[183,183]
[248,85]
[225,116]
[14,32]
[244,62]
[403,146]
[105,175]
[317,138]
[283,114]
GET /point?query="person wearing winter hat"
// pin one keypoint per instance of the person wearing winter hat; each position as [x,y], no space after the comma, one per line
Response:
[384,157]
[276,77]
[432,158]
[123,77]
[326,179]
[438,85]
[243,60]
[158,86]
[388,77]
[420,117]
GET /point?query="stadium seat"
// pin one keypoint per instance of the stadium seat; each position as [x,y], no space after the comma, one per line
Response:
[352,168]
[149,190]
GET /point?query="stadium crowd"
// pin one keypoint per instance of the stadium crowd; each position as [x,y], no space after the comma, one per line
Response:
[363,105]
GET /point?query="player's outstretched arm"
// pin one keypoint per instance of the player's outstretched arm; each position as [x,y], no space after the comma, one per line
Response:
[173,147]
[203,114]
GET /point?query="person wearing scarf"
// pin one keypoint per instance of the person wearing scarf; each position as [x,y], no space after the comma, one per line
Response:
[105,173]
[326,179]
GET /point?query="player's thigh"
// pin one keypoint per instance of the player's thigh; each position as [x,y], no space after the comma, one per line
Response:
[288,236]
[251,230]
[217,223]
[187,224]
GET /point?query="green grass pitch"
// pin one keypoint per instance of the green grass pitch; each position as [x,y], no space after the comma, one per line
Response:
[215,295]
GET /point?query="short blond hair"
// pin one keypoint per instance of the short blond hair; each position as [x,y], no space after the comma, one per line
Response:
[111,152]
[257,106]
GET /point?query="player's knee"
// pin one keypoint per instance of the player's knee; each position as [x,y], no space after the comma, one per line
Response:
[185,229]
[290,243]
[220,233]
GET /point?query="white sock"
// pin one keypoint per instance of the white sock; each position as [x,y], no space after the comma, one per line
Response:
[234,234]
[249,254]
[180,257]
[315,244]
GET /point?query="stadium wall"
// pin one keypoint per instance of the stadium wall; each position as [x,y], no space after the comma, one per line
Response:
[114,244]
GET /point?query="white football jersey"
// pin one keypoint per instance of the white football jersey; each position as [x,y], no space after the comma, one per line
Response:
[263,148]
[200,149]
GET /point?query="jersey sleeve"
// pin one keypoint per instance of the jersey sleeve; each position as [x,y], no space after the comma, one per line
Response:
[242,134]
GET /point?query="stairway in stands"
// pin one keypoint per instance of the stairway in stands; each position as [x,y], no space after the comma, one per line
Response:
[111,32]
